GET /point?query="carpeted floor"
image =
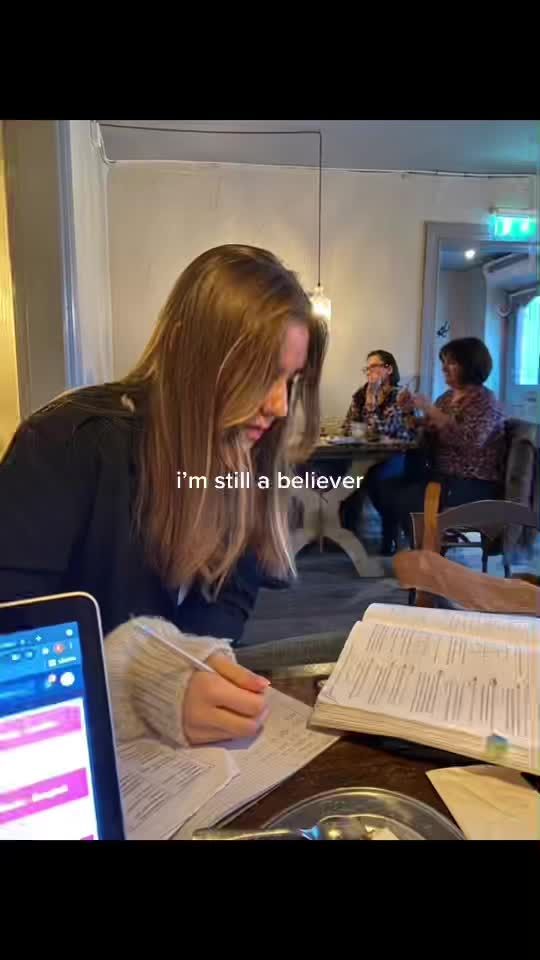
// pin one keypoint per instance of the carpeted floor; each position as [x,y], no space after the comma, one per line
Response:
[328,596]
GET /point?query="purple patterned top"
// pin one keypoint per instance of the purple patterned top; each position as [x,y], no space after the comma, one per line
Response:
[473,444]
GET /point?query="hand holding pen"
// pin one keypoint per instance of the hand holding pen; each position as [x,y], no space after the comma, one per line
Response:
[223,700]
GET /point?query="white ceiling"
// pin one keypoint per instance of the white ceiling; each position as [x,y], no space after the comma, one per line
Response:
[460,146]
[519,277]
[452,255]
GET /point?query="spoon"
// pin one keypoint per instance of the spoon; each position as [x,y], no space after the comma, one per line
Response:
[331,828]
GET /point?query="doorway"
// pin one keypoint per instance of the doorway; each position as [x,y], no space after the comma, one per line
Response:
[477,286]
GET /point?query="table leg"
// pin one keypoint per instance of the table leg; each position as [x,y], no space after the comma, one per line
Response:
[322,521]
[312,519]
[331,527]
[332,530]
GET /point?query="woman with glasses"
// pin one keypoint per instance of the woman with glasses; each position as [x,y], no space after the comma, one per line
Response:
[376,406]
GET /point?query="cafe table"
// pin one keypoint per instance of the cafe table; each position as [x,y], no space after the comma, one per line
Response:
[355,760]
[320,514]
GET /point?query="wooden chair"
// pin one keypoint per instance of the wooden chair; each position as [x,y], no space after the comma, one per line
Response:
[428,574]
[447,530]
[502,528]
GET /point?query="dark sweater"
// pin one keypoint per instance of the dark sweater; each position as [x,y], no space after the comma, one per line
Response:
[67,486]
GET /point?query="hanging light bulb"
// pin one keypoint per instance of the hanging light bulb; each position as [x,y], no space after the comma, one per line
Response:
[320,304]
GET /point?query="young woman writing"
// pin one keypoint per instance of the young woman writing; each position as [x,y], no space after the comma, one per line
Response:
[88,488]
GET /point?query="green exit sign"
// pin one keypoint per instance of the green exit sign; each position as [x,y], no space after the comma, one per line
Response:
[513,227]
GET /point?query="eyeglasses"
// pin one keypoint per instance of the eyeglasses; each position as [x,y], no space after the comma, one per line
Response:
[375,366]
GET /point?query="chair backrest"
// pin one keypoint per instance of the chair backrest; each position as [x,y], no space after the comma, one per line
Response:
[522,472]
[425,530]
[488,517]
[523,442]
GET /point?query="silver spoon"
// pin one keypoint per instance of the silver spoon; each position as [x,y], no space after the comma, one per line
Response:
[331,828]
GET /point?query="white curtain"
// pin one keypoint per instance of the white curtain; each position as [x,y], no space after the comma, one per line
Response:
[93,347]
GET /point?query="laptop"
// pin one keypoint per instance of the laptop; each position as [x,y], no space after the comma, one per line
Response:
[58,776]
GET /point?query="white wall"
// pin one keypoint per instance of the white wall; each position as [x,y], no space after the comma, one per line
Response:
[461,302]
[162,215]
[94,363]
[470,321]
[495,335]
[34,214]
[445,298]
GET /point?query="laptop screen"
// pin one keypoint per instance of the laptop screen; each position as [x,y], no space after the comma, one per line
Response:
[46,781]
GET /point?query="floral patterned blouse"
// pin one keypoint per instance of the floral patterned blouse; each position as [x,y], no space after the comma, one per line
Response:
[473,444]
[385,418]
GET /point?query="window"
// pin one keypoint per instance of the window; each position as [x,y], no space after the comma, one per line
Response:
[528,344]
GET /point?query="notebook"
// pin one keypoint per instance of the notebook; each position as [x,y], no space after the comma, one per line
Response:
[284,745]
[171,791]
[467,683]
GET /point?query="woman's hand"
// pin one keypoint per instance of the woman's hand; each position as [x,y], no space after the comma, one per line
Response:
[409,402]
[405,401]
[224,705]
[414,401]
[423,403]
[437,419]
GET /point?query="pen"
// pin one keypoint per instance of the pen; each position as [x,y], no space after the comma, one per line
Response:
[194,661]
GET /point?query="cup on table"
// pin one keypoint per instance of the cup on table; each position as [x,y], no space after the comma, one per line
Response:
[358,431]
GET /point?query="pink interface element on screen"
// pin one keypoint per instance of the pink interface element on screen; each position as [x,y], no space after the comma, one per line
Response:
[31,729]
[28,801]
[45,776]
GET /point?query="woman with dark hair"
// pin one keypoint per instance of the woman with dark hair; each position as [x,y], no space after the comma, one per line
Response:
[465,427]
[376,405]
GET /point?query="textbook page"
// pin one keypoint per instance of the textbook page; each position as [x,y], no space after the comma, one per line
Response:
[441,680]
[489,626]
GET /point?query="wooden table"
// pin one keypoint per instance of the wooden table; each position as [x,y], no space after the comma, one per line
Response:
[321,507]
[354,761]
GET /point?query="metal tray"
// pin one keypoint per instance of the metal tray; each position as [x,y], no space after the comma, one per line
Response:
[408,819]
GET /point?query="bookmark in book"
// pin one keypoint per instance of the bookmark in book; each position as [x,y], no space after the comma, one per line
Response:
[496,746]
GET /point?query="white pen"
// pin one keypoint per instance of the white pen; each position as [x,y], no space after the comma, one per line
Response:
[194,661]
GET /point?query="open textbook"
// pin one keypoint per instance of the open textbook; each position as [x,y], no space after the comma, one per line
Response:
[463,682]
[169,789]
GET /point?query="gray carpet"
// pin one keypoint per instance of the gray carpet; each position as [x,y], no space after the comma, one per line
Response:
[328,596]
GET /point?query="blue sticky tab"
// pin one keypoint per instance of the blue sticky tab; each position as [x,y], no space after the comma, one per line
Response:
[496,746]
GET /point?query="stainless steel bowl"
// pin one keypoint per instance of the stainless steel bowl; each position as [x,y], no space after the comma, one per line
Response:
[406,818]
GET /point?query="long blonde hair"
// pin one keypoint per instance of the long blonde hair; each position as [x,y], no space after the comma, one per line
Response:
[211,361]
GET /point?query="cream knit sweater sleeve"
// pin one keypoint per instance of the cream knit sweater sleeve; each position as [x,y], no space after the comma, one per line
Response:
[147,679]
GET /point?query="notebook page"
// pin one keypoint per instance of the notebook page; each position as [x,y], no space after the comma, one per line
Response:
[162,786]
[488,626]
[439,679]
[283,747]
